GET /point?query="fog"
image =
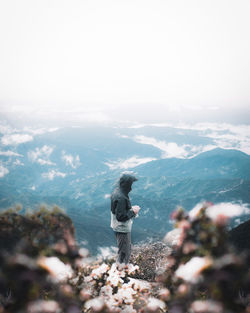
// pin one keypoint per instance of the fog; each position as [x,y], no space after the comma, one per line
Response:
[109,61]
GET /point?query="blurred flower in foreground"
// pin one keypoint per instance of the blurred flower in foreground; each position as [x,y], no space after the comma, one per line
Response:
[33,277]
[206,307]
[60,271]
[213,211]
[96,304]
[191,270]
[112,289]
[41,306]
[155,305]
[204,274]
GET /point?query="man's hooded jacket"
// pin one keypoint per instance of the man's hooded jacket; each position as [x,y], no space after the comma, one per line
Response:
[121,211]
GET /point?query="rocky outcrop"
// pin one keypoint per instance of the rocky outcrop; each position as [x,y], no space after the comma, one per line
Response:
[240,237]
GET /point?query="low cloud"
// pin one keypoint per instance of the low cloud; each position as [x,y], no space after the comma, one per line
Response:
[7,129]
[123,136]
[52,174]
[136,126]
[226,209]
[226,136]
[14,136]
[41,155]
[10,153]
[3,171]
[128,163]
[45,162]
[172,149]
[70,160]
[15,139]
[231,140]
[18,163]
[39,131]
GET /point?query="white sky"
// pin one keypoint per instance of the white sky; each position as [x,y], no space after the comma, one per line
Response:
[139,60]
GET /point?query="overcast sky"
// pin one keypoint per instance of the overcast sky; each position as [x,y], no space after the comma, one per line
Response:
[140,60]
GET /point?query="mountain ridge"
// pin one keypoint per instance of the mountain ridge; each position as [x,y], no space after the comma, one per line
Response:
[219,175]
[219,163]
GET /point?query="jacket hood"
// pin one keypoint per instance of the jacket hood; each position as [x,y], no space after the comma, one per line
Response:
[127,179]
[125,182]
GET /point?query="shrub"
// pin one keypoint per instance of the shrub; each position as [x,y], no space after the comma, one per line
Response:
[203,273]
[38,256]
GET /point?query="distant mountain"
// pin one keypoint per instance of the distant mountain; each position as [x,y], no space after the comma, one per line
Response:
[214,164]
[47,173]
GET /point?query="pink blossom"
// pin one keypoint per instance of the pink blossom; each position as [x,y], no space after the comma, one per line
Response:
[208,306]
[164,294]
[182,289]
[189,247]
[42,306]
[184,225]
[221,220]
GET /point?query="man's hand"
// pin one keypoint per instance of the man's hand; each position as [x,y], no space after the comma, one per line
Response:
[136,209]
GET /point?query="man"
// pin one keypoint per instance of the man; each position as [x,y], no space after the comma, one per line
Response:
[122,215]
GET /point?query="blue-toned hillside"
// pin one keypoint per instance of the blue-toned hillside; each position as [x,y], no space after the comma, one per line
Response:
[76,168]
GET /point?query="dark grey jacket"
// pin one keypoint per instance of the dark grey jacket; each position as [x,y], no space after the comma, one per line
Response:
[121,212]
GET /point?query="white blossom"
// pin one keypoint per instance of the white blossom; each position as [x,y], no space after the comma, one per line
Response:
[121,298]
[226,209]
[140,285]
[88,279]
[192,269]
[106,291]
[99,271]
[125,294]
[56,268]
[42,306]
[155,304]
[128,309]
[96,304]
[132,268]
[207,306]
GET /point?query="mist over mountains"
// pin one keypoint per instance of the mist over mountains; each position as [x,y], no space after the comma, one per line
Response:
[76,168]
